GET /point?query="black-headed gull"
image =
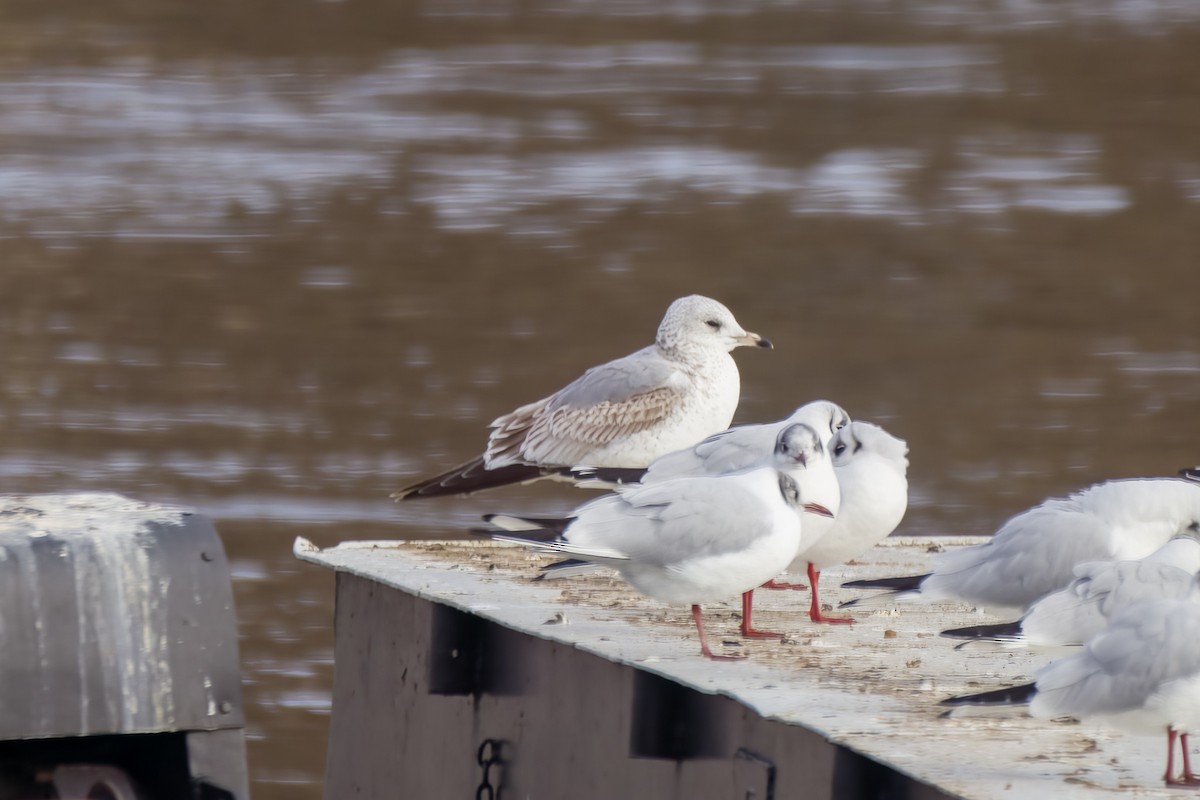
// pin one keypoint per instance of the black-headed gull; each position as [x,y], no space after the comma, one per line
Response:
[747,445]
[871,466]
[1035,552]
[1072,616]
[689,540]
[1142,672]
[810,427]
[624,413]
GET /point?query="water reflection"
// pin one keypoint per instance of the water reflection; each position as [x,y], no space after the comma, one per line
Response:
[275,272]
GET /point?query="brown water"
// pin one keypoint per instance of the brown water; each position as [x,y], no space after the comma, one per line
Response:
[276,259]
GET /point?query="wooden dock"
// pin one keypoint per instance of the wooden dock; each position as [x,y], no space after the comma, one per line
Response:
[449,654]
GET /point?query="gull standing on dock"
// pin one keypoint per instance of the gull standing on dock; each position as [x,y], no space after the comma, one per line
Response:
[1142,672]
[624,413]
[1072,616]
[1035,552]
[871,466]
[809,427]
[692,540]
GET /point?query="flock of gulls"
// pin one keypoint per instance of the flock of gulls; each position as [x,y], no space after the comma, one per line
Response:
[1104,580]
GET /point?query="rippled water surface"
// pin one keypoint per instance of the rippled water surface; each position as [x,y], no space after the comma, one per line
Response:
[275,260]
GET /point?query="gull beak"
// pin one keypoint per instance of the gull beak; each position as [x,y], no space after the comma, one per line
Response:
[754,340]
[818,509]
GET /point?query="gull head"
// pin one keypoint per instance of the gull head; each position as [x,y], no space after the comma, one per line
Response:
[797,445]
[825,417]
[701,323]
[860,437]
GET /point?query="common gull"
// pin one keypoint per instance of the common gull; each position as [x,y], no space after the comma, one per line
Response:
[621,414]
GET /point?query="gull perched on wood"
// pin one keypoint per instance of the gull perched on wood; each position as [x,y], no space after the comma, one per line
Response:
[688,540]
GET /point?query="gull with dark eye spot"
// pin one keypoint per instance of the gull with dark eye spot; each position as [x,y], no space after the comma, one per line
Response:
[620,415]
[689,540]
[871,467]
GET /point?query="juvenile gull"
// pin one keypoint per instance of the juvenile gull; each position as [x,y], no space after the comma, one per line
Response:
[1072,616]
[621,414]
[689,540]
[1142,672]
[871,466]
[1035,552]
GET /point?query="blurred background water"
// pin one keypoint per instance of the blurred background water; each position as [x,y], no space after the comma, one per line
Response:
[276,259]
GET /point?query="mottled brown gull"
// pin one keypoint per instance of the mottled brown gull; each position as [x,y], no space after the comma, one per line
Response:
[622,414]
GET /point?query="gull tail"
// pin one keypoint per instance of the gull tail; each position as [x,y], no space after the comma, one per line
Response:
[1191,473]
[566,569]
[474,476]
[905,587]
[515,524]
[548,540]
[1008,696]
[470,477]
[903,583]
[1002,631]
[527,534]
[604,477]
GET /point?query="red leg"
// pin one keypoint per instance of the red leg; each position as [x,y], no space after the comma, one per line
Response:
[814,606]
[704,639]
[1169,775]
[748,629]
[1188,778]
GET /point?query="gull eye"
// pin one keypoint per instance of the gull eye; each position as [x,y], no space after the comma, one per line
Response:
[839,448]
[712,323]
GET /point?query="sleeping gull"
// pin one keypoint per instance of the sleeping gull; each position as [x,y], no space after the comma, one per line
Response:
[1142,672]
[689,540]
[1072,616]
[871,466]
[1034,552]
[624,413]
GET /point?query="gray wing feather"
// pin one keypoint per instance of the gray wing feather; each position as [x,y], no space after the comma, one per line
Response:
[672,521]
[1032,554]
[1145,646]
[607,402]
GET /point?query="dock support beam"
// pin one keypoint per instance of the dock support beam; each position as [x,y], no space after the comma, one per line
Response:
[431,701]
